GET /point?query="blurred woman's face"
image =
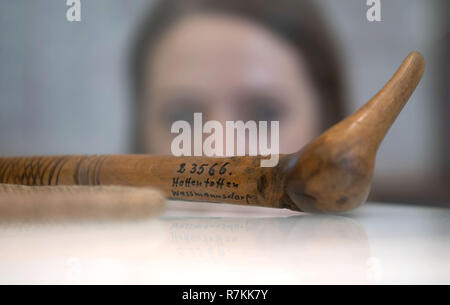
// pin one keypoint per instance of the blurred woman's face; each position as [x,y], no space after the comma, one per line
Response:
[227,68]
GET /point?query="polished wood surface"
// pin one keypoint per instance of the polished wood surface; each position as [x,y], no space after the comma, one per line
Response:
[333,173]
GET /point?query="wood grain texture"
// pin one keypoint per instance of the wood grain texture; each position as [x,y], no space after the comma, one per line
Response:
[331,174]
[229,180]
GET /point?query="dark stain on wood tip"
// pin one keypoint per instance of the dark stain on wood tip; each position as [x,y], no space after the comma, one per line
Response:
[342,200]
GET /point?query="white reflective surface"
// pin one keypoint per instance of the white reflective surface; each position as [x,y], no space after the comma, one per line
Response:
[199,243]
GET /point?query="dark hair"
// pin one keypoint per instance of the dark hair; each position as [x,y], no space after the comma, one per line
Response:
[298,21]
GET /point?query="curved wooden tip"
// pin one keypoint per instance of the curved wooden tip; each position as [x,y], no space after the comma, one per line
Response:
[374,119]
[334,172]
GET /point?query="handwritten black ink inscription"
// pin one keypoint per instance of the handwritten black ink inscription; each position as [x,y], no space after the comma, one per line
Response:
[199,169]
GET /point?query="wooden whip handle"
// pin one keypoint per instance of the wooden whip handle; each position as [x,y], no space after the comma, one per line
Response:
[237,180]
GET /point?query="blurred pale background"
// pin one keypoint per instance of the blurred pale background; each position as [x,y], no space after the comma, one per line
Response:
[64,86]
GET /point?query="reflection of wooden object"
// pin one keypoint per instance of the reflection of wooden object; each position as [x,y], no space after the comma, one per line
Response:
[332,173]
